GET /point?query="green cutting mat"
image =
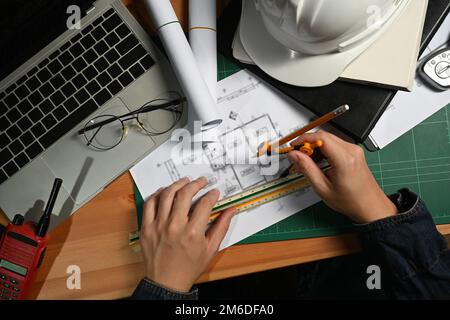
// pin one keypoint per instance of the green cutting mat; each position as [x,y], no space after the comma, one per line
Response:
[419,160]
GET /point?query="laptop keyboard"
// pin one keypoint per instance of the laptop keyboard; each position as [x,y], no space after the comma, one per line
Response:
[66,87]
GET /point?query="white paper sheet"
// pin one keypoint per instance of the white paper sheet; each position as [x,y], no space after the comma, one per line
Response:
[244,102]
[408,109]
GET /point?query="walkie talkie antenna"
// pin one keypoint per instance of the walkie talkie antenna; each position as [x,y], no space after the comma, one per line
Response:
[44,222]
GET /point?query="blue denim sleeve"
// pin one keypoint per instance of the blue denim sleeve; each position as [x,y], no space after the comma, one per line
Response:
[150,290]
[413,256]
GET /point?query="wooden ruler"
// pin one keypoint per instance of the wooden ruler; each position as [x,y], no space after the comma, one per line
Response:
[255,196]
[264,193]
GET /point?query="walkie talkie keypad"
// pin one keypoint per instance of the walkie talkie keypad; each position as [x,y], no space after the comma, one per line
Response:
[7,290]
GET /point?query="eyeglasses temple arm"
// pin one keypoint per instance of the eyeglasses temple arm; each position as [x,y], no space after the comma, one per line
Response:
[141,110]
[96,125]
[160,106]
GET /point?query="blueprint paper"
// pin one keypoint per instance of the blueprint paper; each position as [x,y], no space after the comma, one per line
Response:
[183,61]
[203,40]
[245,103]
[408,109]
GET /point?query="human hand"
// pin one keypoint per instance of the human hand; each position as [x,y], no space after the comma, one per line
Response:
[348,187]
[176,244]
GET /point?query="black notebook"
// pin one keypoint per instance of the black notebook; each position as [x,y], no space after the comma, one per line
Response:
[367,102]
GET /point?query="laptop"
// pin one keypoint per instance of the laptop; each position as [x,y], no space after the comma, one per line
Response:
[54,80]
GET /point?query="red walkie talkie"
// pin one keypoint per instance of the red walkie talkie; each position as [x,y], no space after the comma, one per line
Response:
[22,248]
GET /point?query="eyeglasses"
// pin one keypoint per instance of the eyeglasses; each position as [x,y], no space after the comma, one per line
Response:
[156,117]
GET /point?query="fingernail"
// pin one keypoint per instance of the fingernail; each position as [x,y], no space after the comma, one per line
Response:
[291,156]
[215,192]
[298,156]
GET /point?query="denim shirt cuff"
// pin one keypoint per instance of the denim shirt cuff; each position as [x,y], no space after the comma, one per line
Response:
[408,242]
[150,290]
[409,206]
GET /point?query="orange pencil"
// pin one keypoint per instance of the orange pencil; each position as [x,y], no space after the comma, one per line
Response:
[267,148]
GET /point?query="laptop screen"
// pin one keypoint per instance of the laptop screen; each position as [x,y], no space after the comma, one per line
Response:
[27,26]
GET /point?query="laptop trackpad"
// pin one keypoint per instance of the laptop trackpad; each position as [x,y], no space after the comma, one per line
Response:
[71,155]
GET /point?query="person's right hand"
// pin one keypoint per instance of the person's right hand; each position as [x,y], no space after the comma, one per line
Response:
[348,187]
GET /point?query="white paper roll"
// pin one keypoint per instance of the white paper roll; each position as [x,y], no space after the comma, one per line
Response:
[184,62]
[203,39]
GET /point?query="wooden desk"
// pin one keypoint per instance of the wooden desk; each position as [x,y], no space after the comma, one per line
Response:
[96,240]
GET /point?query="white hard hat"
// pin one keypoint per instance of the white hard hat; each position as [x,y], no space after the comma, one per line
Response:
[311,42]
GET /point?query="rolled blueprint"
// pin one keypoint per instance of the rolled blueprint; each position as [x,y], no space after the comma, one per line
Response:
[203,39]
[183,62]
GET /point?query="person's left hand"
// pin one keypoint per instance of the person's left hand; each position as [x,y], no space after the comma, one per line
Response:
[175,241]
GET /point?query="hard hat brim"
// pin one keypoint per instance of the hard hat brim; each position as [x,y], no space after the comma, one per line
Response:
[290,66]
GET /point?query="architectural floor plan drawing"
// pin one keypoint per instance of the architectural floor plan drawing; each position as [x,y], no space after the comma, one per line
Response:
[253,112]
[226,163]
